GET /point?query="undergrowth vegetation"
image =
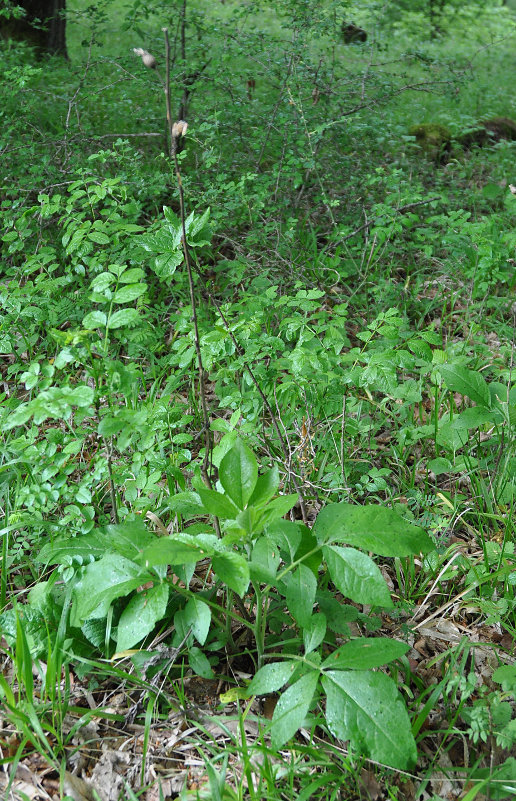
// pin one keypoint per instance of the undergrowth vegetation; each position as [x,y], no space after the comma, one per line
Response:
[258,403]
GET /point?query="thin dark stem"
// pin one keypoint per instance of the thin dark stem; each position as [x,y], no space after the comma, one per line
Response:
[112,494]
[176,131]
[167,88]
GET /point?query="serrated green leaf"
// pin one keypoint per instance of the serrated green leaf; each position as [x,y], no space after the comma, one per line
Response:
[365,708]
[421,349]
[365,653]
[356,576]
[373,528]
[141,615]
[466,382]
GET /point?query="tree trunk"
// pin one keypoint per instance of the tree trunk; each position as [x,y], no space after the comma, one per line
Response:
[43,26]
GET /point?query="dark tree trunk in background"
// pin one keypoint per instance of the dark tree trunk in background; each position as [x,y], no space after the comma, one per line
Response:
[43,26]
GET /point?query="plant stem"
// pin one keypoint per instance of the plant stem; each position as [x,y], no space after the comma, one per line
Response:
[175,133]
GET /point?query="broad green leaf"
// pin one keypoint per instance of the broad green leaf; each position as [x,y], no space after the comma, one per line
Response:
[98,237]
[476,416]
[173,551]
[196,223]
[94,630]
[266,487]
[63,549]
[188,504]
[452,438]
[439,466]
[420,348]
[95,319]
[199,663]
[287,535]
[238,473]
[109,426]
[338,614]
[265,559]
[233,570]
[249,521]
[111,577]
[365,708]
[372,528]
[128,293]
[466,382]
[102,282]
[215,503]
[307,550]
[277,508]
[356,576]
[18,417]
[313,633]
[129,538]
[141,615]
[300,594]
[197,616]
[271,678]
[167,263]
[132,276]
[365,653]
[123,317]
[81,395]
[292,708]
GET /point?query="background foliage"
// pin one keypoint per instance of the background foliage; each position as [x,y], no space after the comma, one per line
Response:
[351,229]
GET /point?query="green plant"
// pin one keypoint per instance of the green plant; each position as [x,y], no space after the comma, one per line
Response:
[121,588]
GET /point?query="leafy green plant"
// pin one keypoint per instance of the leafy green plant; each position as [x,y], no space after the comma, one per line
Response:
[121,587]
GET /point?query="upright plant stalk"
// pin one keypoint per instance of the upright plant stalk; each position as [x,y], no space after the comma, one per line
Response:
[176,131]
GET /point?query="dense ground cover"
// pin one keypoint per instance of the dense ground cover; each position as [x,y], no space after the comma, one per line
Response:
[257,461]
